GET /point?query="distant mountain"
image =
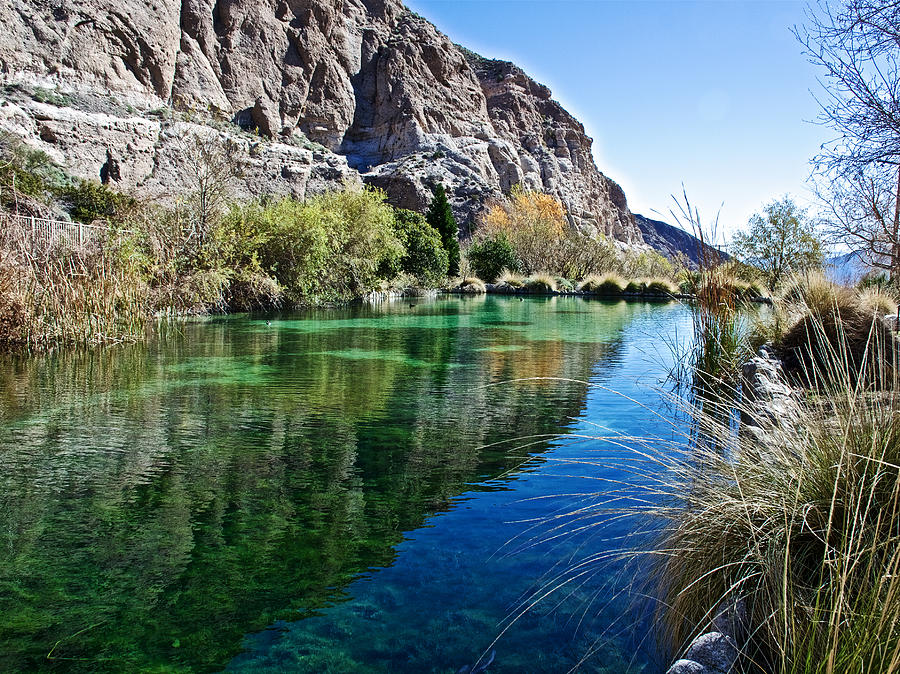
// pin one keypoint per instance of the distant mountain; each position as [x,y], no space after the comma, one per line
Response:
[672,241]
[847,268]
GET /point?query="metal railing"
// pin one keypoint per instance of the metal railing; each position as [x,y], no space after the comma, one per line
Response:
[42,234]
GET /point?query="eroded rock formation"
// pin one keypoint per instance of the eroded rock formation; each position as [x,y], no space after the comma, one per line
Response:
[316,91]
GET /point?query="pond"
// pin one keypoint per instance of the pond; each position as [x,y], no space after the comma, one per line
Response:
[362,489]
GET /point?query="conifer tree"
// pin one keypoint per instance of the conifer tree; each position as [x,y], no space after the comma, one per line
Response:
[440,216]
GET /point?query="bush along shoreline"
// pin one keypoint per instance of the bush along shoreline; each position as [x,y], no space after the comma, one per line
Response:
[207,253]
[641,289]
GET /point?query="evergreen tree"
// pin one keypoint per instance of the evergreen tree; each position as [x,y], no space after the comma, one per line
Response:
[440,216]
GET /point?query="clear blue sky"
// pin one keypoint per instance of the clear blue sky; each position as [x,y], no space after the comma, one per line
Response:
[714,94]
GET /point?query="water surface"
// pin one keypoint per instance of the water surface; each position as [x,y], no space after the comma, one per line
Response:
[343,490]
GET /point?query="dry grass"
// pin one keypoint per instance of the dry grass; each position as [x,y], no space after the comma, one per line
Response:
[805,527]
[835,324]
[511,279]
[801,524]
[607,284]
[540,283]
[877,301]
[470,284]
[661,286]
[63,294]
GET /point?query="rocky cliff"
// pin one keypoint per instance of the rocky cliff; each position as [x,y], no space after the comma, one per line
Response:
[674,242]
[313,91]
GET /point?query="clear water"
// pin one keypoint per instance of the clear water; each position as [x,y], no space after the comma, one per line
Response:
[343,490]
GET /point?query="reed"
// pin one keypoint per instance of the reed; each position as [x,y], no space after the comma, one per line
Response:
[804,526]
[60,293]
[721,335]
[800,523]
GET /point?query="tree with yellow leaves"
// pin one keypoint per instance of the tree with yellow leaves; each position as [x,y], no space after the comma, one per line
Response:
[535,225]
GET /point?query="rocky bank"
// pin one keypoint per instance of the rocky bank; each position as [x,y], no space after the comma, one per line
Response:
[314,92]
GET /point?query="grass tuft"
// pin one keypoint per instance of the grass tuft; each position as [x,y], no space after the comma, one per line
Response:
[608,284]
[471,284]
[511,279]
[875,300]
[540,283]
[661,286]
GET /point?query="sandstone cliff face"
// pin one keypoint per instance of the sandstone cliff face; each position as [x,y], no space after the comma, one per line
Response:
[315,91]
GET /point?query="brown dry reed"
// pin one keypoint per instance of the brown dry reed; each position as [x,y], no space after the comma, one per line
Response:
[54,292]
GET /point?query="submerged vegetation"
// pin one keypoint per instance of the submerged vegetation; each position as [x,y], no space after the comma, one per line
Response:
[792,515]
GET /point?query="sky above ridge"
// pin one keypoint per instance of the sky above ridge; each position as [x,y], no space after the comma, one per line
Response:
[711,94]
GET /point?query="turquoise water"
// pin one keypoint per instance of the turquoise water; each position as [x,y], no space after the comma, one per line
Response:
[362,489]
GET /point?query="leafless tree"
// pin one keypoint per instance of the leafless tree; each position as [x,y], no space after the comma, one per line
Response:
[863,212]
[856,45]
[213,163]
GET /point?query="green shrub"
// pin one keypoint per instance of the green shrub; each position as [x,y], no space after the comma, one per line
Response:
[250,290]
[490,257]
[689,281]
[440,216]
[88,201]
[331,247]
[31,172]
[647,264]
[203,291]
[564,284]
[425,257]
[875,280]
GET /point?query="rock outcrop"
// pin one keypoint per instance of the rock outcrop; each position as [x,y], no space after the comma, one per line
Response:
[315,91]
[770,404]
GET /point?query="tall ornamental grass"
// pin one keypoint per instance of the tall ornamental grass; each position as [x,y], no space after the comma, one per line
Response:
[802,523]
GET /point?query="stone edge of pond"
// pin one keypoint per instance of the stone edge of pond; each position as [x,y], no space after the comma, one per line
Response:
[496,289]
